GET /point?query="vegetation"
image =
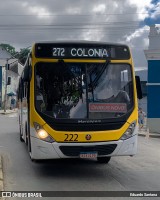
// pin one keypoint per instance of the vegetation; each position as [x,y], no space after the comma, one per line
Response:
[8,48]
[21,55]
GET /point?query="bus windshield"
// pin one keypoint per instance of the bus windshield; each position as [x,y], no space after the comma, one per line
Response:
[83,90]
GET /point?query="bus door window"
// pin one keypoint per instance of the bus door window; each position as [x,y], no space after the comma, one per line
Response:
[40,96]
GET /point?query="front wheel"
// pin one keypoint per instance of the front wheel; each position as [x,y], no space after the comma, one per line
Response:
[21,139]
[20,132]
[103,159]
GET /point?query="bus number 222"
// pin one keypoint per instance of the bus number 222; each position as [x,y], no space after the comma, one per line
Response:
[71,137]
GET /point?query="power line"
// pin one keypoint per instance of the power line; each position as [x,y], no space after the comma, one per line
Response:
[50,15]
[103,23]
[75,32]
[72,28]
[76,27]
[74,24]
[103,30]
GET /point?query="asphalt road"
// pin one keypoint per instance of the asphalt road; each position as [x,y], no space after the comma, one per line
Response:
[138,173]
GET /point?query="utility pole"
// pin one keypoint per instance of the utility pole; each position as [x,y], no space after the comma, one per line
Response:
[5,94]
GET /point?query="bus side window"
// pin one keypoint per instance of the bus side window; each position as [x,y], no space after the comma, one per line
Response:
[21,91]
[27,74]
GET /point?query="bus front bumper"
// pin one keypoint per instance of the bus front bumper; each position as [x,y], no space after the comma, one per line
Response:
[45,150]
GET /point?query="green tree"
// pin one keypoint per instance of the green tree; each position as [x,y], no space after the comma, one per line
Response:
[8,48]
[22,55]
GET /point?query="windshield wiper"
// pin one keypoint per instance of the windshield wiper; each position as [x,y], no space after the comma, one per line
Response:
[95,81]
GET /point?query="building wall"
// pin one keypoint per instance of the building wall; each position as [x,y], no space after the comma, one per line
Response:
[0,86]
[10,88]
[13,86]
[153,85]
[154,38]
[3,84]
[14,72]
[14,81]
[154,89]
[4,54]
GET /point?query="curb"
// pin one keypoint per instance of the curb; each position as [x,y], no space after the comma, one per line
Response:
[6,113]
[1,176]
[149,135]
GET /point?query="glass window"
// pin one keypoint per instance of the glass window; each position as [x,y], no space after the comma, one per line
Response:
[83,91]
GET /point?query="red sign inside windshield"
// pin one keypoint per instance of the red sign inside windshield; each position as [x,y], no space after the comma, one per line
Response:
[108,107]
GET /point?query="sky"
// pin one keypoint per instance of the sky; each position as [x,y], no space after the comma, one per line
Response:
[120,21]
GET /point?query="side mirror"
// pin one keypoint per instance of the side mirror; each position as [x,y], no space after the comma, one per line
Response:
[138,86]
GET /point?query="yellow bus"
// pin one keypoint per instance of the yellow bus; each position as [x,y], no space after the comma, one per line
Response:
[78,100]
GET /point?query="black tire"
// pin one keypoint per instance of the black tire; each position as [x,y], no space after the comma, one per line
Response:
[28,138]
[103,159]
[33,160]
[21,139]
[20,133]
[26,132]
[36,160]
[29,143]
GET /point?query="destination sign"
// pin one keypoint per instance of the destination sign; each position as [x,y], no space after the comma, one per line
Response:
[92,51]
[108,107]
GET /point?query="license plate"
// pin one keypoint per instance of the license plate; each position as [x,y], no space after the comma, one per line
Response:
[88,155]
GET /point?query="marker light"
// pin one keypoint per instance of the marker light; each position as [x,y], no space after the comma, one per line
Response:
[37,126]
[42,134]
[129,132]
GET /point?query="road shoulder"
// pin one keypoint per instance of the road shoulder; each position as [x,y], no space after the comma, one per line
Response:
[1,177]
[147,134]
[8,111]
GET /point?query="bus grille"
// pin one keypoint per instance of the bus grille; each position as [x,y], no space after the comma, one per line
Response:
[76,150]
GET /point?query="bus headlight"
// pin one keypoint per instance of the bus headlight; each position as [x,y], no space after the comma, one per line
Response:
[42,134]
[129,132]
